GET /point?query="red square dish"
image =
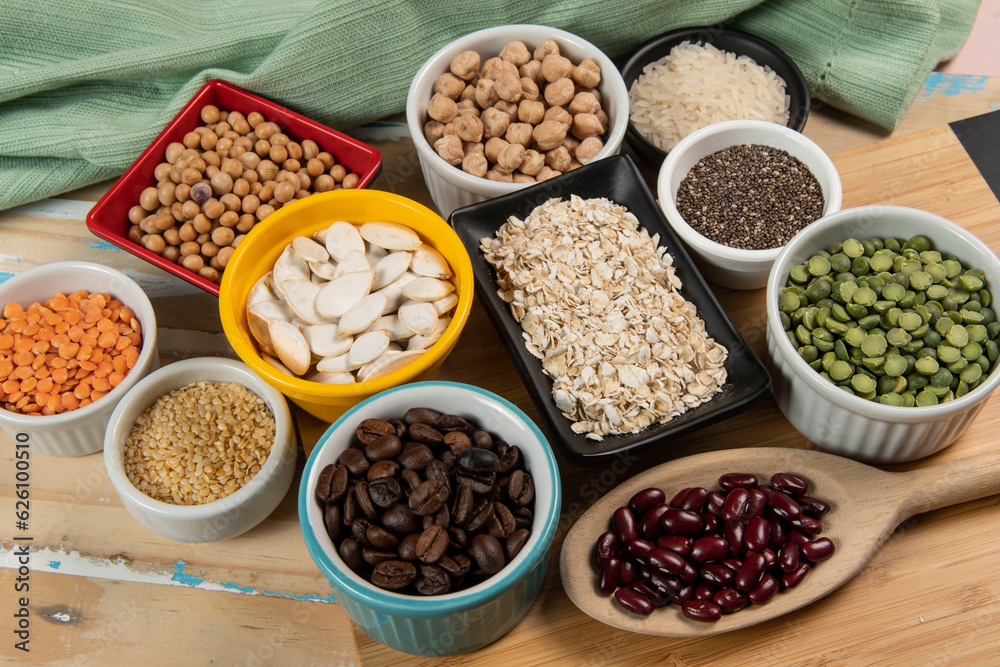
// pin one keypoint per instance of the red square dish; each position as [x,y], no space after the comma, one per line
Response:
[108,218]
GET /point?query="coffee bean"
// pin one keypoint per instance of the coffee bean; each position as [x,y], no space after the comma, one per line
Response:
[332,484]
[350,553]
[385,492]
[480,484]
[355,460]
[400,519]
[458,536]
[443,516]
[416,457]
[461,511]
[457,565]
[433,544]
[481,514]
[385,468]
[501,524]
[332,518]
[437,470]
[384,447]
[375,556]
[408,546]
[509,460]
[401,428]
[411,479]
[351,511]
[426,435]
[477,461]
[420,416]
[380,538]
[370,430]
[365,503]
[488,553]
[515,542]
[449,423]
[359,530]
[523,517]
[432,580]
[428,497]
[482,439]
[457,441]
[521,488]
[394,574]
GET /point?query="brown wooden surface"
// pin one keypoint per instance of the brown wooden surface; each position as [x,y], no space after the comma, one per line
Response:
[104,590]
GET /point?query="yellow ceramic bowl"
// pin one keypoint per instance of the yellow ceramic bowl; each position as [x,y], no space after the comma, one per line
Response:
[257,253]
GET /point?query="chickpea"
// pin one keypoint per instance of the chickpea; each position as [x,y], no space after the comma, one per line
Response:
[469,93]
[587,73]
[555,67]
[559,115]
[560,92]
[585,102]
[508,87]
[495,123]
[338,172]
[442,108]
[469,128]
[468,106]
[516,52]
[532,70]
[603,117]
[149,199]
[558,159]
[549,134]
[586,125]
[465,65]
[449,85]
[532,163]
[509,108]
[498,174]
[519,133]
[449,128]
[570,143]
[433,130]
[486,93]
[531,111]
[493,147]
[475,164]
[546,173]
[473,147]
[523,178]
[544,48]
[510,157]
[529,89]
[450,149]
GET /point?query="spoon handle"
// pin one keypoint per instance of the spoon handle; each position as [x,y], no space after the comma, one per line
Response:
[937,486]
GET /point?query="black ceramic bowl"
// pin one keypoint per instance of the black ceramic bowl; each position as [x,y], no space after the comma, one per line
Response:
[734,41]
[615,178]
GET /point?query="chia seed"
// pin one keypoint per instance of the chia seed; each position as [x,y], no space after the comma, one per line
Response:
[750,197]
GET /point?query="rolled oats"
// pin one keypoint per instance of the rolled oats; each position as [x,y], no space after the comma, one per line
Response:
[599,304]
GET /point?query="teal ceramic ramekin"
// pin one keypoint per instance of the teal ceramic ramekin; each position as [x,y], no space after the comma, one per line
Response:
[455,622]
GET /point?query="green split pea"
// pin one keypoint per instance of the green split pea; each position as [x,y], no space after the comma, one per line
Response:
[892,320]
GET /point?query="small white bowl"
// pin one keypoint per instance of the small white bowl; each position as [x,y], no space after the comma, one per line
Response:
[846,424]
[81,431]
[223,518]
[449,186]
[721,264]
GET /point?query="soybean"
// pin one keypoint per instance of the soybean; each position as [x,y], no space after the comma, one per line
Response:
[892,320]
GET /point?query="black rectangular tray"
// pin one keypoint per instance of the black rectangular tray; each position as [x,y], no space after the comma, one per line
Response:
[617,179]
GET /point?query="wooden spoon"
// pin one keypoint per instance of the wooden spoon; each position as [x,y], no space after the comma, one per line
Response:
[866,506]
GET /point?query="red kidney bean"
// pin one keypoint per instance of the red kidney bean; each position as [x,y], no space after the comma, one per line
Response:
[664,582]
[737,480]
[792,579]
[813,506]
[715,503]
[689,574]
[707,549]
[678,543]
[705,611]
[628,572]
[638,547]
[665,559]
[770,558]
[736,505]
[717,573]
[610,576]
[777,537]
[645,499]
[711,523]
[683,595]
[733,563]
[695,500]
[607,545]
[808,525]
[749,575]
[624,523]
[634,602]
[658,598]
[818,550]
[789,483]
[649,526]
[796,537]
[755,503]
[784,505]
[735,534]
[765,590]
[756,534]
[788,558]
[678,499]
[704,591]
[681,522]
[730,600]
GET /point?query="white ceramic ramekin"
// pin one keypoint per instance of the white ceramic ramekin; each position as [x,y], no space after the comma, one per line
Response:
[452,623]
[846,424]
[80,431]
[223,518]
[449,186]
[721,264]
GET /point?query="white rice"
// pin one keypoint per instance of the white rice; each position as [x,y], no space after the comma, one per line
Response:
[696,85]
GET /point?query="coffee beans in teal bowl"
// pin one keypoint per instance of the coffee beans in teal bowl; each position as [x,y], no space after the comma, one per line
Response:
[883,333]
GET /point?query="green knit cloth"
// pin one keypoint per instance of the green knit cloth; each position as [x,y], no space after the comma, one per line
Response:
[85,86]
